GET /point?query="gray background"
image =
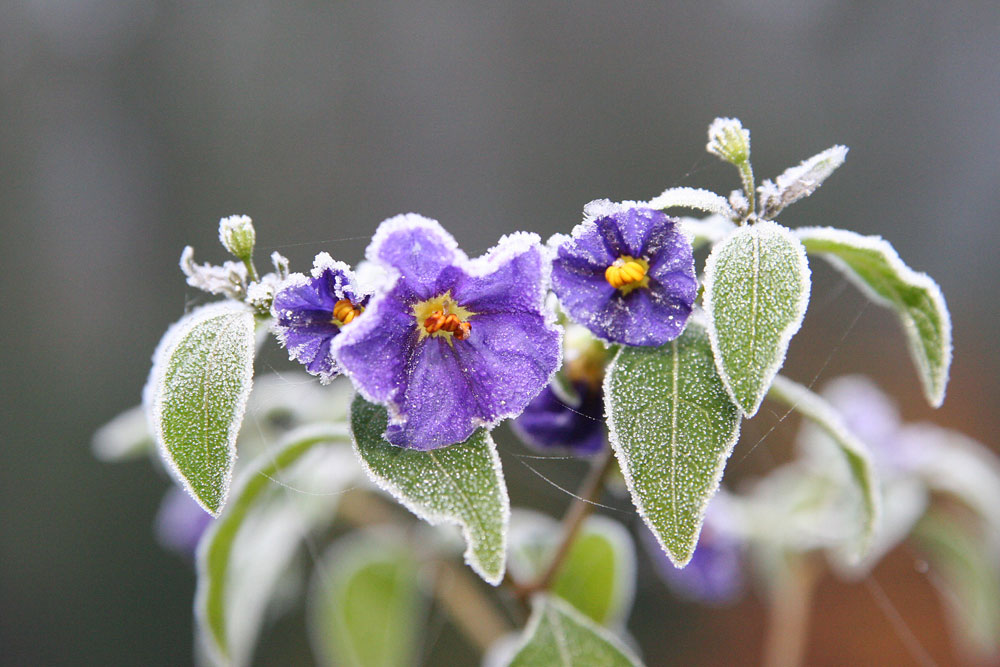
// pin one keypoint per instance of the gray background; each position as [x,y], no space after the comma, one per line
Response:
[128,128]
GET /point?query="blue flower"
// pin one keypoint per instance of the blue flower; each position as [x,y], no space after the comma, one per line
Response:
[310,312]
[626,273]
[555,421]
[451,344]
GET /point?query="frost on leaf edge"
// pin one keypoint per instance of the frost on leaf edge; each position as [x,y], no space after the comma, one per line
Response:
[152,392]
[935,394]
[786,335]
[539,604]
[436,518]
[626,470]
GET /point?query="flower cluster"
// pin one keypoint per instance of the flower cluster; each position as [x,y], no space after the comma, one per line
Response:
[450,344]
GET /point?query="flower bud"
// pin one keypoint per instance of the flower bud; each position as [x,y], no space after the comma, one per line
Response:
[729,140]
[237,235]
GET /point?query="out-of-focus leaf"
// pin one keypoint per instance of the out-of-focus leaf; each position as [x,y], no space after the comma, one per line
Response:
[366,605]
[197,393]
[873,265]
[598,573]
[799,181]
[125,437]
[277,501]
[461,484]
[856,453]
[966,572]
[558,635]
[672,426]
[756,293]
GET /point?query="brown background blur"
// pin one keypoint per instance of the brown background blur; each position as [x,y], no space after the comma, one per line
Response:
[127,129]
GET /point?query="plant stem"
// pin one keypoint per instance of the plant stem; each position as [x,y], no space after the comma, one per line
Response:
[746,175]
[579,510]
[788,622]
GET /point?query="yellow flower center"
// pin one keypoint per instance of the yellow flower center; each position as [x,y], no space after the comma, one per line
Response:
[627,274]
[442,317]
[344,312]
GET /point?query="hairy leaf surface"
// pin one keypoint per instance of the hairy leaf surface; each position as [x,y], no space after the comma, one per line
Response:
[756,293]
[461,484]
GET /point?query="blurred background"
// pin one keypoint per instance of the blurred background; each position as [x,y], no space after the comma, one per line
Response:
[128,128]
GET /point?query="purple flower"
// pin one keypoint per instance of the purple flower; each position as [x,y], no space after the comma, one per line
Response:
[714,575]
[452,344]
[310,312]
[626,273]
[180,522]
[555,421]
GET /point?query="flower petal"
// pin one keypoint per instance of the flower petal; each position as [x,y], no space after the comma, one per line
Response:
[505,279]
[418,248]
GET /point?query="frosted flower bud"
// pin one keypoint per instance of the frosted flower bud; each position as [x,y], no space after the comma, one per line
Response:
[237,235]
[728,139]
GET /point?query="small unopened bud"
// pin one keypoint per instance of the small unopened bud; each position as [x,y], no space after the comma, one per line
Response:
[729,140]
[237,235]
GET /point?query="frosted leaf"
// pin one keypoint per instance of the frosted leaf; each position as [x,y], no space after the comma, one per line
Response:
[698,199]
[873,265]
[672,426]
[557,635]
[460,484]
[598,573]
[756,292]
[799,181]
[709,230]
[280,264]
[197,393]
[366,608]
[856,455]
[230,279]
[249,548]
[729,140]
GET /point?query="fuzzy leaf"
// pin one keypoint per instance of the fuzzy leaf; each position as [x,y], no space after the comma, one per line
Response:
[873,265]
[694,198]
[800,181]
[967,578]
[706,231]
[856,453]
[247,549]
[461,484]
[672,426]
[197,393]
[366,604]
[756,294]
[558,635]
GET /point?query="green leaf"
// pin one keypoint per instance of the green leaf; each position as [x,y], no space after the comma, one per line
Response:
[706,231]
[756,293]
[248,547]
[873,265]
[856,453]
[967,578]
[197,392]
[672,426]
[460,484]
[559,635]
[799,181]
[598,573]
[366,603]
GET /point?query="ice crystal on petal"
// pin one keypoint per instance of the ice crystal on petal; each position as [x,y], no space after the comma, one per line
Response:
[311,311]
